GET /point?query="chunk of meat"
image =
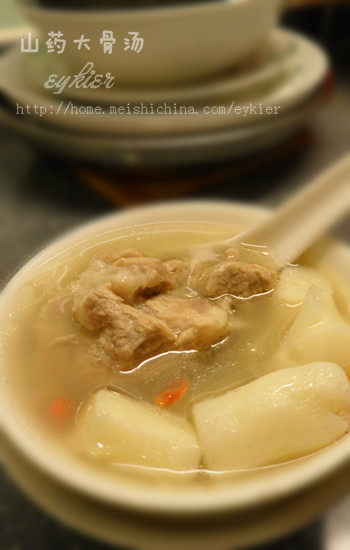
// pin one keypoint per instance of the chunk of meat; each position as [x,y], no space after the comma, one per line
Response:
[100,269]
[130,275]
[238,278]
[179,272]
[131,305]
[196,322]
[140,277]
[126,333]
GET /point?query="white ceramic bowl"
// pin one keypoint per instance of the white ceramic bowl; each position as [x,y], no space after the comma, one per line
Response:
[248,499]
[181,43]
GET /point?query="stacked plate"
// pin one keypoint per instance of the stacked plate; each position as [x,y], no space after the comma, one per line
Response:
[244,111]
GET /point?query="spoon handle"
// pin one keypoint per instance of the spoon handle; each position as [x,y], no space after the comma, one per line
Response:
[303,218]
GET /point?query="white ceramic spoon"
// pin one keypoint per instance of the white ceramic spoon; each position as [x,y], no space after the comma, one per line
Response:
[295,225]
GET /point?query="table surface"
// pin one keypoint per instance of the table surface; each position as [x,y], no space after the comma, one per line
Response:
[40,198]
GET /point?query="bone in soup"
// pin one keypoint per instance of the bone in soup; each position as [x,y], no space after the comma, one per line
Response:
[136,349]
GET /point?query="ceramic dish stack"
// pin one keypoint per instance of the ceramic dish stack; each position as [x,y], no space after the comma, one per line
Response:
[253,89]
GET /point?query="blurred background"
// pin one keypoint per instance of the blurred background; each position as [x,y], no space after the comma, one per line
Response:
[56,172]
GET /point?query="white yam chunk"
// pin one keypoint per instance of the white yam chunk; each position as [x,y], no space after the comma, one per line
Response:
[319,332]
[295,282]
[281,416]
[120,429]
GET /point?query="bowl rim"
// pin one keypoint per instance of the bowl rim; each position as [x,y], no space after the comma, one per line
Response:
[77,14]
[309,470]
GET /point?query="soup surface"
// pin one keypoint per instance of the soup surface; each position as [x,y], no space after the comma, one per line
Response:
[142,349]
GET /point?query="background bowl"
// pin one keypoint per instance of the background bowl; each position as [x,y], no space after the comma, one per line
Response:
[181,43]
[298,490]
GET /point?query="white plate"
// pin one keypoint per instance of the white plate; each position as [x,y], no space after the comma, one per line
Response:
[177,150]
[261,69]
[307,71]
